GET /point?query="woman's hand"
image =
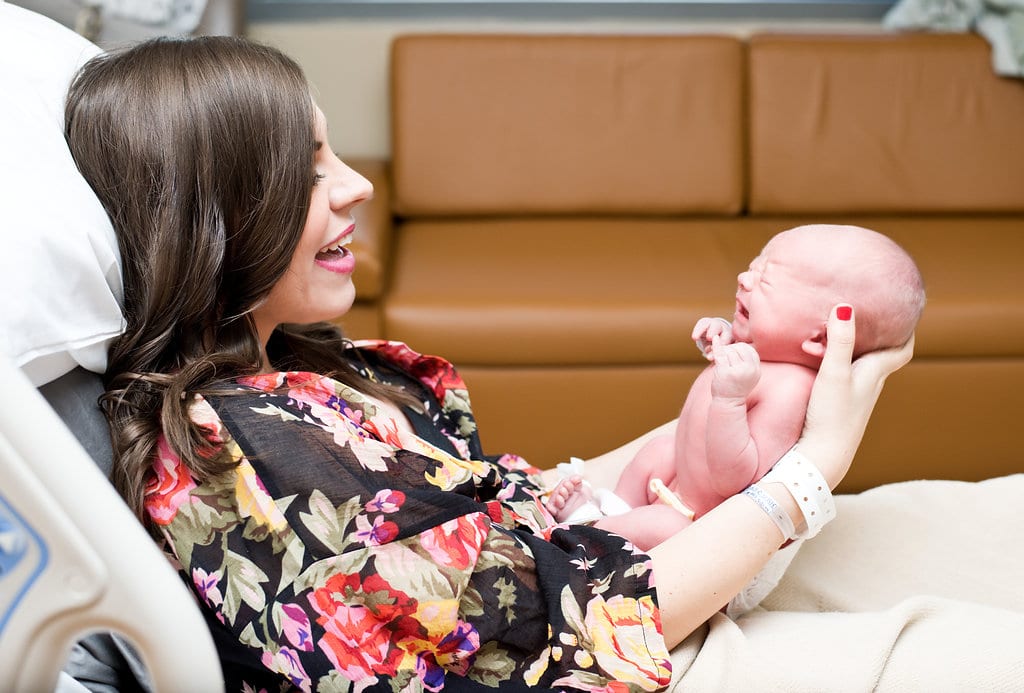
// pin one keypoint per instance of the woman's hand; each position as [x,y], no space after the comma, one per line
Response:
[844,395]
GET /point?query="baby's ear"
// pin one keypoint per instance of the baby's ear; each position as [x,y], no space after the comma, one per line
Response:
[815,344]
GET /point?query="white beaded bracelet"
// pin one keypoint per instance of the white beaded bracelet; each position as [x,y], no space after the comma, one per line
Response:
[808,488]
[772,509]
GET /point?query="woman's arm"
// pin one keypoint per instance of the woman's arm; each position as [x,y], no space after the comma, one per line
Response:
[700,569]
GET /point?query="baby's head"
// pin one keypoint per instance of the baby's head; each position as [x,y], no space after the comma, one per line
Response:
[783,300]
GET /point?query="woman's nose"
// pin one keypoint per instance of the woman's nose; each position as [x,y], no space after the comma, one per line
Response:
[350,188]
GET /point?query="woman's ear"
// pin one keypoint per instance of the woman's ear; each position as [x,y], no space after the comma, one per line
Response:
[815,344]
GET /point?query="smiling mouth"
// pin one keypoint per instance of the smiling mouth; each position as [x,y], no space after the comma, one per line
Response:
[335,250]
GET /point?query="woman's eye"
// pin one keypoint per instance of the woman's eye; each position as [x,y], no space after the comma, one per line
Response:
[317,177]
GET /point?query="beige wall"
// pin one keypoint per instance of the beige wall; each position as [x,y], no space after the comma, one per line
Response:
[347,60]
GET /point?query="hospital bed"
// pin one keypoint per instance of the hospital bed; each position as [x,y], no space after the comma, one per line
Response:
[74,562]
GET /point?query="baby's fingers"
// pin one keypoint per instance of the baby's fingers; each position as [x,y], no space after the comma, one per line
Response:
[700,329]
[736,355]
[746,353]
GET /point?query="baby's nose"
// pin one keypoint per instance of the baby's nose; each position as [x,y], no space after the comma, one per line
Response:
[745,280]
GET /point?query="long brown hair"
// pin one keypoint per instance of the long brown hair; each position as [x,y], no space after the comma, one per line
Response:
[202,152]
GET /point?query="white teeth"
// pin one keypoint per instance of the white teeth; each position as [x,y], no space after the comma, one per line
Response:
[343,242]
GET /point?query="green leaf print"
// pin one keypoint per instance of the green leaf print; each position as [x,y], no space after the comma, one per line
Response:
[506,597]
[317,574]
[291,562]
[492,665]
[411,570]
[199,523]
[333,683]
[327,523]
[248,637]
[273,410]
[574,617]
[471,604]
[457,401]
[242,578]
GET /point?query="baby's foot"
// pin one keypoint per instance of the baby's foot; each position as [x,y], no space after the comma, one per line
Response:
[570,493]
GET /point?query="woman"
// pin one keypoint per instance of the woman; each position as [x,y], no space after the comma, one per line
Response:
[330,504]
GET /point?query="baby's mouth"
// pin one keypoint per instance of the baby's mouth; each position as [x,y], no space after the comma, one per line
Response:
[741,310]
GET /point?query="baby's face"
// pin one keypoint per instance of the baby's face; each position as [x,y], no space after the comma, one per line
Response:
[783,298]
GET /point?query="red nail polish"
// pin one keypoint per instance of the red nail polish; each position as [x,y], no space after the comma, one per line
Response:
[844,312]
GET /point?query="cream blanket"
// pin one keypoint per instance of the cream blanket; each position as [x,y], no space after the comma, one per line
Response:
[917,586]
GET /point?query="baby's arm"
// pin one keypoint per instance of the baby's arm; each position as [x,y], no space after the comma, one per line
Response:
[732,456]
[746,434]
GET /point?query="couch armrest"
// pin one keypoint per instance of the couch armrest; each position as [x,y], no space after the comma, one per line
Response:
[374,230]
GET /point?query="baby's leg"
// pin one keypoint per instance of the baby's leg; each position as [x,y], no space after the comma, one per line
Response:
[656,459]
[645,526]
[568,496]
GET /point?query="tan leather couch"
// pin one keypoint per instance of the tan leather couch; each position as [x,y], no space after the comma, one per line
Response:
[559,210]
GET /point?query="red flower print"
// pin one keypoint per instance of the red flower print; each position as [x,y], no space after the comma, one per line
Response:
[169,486]
[309,388]
[389,435]
[363,620]
[433,371]
[440,375]
[456,543]
[265,382]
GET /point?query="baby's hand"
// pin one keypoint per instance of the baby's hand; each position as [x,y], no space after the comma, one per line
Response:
[705,331]
[737,370]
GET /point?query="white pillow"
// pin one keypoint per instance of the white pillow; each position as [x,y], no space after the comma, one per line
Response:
[60,279]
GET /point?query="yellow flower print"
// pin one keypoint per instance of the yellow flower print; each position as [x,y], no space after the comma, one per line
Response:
[253,499]
[627,644]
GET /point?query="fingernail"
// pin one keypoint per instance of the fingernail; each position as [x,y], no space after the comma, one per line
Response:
[844,312]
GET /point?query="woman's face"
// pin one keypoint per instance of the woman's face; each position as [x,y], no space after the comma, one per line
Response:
[318,284]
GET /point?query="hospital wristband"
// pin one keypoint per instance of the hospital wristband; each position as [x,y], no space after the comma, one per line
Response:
[771,508]
[808,488]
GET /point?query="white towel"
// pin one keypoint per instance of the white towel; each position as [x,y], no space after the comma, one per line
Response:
[913,587]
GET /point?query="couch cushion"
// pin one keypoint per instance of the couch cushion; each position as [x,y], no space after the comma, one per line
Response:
[971,268]
[883,124]
[566,124]
[628,291]
[563,291]
[936,418]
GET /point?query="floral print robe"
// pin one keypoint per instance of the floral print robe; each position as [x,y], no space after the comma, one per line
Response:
[343,553]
